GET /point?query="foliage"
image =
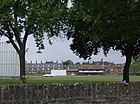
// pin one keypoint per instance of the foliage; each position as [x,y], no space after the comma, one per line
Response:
[21,18]
[77,63]
[96,24]
[29,17]
[68,62]
[135,66]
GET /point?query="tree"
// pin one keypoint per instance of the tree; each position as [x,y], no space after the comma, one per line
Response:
[106,24]
[135,67]
[21,18]
[68,62]
[78,63]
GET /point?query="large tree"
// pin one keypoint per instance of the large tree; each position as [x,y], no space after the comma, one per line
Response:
[21,18]
[106,24]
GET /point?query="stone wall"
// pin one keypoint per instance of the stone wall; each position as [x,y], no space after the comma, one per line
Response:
[99,93]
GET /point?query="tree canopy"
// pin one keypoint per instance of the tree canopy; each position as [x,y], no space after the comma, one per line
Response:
[21,18]
[96,24]
[68,62]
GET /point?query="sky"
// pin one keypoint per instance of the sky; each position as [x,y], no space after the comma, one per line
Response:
[60,51]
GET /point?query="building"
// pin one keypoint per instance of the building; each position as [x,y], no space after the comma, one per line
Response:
[40,68]
[9,61]
[72,72]
[119,68]
[88,69]
[94,68]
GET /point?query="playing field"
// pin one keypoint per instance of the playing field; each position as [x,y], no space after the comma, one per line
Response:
[68,79]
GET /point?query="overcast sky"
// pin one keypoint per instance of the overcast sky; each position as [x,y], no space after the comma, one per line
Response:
[60,50]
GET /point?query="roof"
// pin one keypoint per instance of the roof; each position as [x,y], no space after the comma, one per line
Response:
[72,70]
[91,67]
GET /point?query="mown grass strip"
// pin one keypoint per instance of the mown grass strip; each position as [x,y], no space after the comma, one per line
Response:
[31,80]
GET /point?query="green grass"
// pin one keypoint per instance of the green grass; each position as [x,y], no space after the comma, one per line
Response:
[68,79]
[6,81]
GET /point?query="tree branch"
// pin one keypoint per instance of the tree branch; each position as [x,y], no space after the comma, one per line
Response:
[15,30]
[28,31]
[25,37]
[9,36]
[16,34]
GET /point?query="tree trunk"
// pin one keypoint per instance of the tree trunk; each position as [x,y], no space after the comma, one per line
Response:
[22,66]
[126,68]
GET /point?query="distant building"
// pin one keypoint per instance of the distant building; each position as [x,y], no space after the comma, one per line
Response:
[119,68]
[88,69]
[40,68]
[92,68]
[72,72]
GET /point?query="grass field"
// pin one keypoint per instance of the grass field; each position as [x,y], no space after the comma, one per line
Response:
[68,79]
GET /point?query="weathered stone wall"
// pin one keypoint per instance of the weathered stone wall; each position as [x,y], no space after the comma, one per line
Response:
[103,93]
